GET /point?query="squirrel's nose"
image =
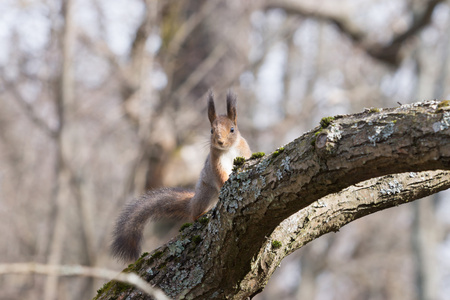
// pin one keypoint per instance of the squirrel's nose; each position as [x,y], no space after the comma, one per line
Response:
[220,143]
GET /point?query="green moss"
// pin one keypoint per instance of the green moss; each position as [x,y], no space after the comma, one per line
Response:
[257,155]
[119,287]
[318,131]
[239,161]
[155,255]
[129,268]
[313,142]
[326,121]
[197,239]
[277,152]
[203,220]
[138,264]
[184,226]
[162,266]
[443,105]
[276,244]
[141,258]
[374,110]
[104,288]
[122,287]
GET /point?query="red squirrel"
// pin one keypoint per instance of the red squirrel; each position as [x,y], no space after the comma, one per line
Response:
[177,203]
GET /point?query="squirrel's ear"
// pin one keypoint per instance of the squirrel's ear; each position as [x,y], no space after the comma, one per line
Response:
[231,107]
[211,109]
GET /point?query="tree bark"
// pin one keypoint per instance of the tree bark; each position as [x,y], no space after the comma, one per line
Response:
[316,184]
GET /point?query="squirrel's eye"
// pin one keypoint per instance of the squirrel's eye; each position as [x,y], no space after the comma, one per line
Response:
[212,131]
[232,129]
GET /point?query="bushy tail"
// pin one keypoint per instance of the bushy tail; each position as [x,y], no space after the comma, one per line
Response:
[166,203]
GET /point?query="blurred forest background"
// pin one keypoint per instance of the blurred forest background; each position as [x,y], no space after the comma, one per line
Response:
[103,99]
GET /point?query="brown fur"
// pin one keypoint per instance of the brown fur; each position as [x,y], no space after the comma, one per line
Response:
[166,203]
[175,203]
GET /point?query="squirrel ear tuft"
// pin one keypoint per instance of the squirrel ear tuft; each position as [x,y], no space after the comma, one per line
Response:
[231,106]
[211,108]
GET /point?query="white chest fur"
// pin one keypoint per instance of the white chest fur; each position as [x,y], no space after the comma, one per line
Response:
[227,158]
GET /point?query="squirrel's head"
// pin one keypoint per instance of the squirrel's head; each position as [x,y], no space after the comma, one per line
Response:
[224,130]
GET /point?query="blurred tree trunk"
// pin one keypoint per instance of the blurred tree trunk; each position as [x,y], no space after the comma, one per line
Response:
[425,247]
[186,43]
[273,206]
[425,226]
[194,58]
[64,101]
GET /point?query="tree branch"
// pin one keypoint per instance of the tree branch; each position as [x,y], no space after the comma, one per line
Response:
[28,108]
[388,53]
[221,259]
[334,211]
[77,270]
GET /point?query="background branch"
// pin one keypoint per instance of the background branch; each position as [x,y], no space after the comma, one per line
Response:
[389,52]
[77,270]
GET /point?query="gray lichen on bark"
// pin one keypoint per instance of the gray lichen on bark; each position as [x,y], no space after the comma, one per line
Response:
[357,165]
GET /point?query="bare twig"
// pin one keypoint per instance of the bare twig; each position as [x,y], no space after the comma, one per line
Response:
[201,71]
[388,53]
[187,27]
[77,270]
[13,89]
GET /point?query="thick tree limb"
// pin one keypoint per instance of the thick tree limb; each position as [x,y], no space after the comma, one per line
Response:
[334,211]
[224,258]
